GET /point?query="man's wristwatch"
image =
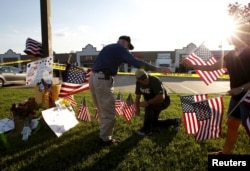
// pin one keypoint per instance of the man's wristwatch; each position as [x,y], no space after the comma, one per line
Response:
[242,88]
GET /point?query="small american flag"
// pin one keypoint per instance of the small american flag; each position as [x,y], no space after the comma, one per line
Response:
[129,108]
[202,56]
[210,126]
[83,113]
[247,126]
[202,110]
[75,80]
[119,104]
[246,98]
[33,48]
[71,99]
[191,124]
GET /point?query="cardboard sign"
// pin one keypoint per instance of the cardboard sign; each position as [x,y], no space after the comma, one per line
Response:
[40,69]
[60,119]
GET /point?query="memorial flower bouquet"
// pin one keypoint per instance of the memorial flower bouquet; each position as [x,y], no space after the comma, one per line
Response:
[25,110]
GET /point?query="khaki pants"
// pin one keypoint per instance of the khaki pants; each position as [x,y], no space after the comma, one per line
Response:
[102,91]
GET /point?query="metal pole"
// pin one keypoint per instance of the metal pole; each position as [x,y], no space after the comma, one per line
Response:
[46,28]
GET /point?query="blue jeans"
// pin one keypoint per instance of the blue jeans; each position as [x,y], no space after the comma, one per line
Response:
[241,112]
[151,116]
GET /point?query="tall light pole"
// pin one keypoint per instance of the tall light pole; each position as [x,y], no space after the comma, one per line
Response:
[46,28]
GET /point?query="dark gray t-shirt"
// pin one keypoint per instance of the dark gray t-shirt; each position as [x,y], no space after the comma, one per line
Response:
[150,90]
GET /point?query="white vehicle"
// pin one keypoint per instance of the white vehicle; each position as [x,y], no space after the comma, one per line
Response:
[191,72]
[164,59]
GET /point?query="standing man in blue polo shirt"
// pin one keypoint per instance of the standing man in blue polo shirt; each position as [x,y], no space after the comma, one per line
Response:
[102,85]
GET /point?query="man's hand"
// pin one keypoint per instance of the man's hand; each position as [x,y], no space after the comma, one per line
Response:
[163,70]
[235,91]
[186,63]
[144,104]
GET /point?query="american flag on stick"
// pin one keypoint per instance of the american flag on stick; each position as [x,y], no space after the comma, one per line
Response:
[75,80]
[209,113]
[203,56]
[96,113]
[129,108]
[83,113]
[246,100]
[119,104]
[71,99]
[33,48]
[247,126]
[191,124]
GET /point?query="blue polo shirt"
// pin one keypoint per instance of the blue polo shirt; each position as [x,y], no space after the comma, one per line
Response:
[113,55]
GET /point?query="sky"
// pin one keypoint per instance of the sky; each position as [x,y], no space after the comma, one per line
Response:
[153,25]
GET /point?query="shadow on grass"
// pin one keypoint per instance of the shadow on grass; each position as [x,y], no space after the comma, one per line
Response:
[163,136]
[78,149]
[116,154]
[120,152]
[43,150]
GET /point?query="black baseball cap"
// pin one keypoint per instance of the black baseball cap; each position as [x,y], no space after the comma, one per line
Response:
[127,38]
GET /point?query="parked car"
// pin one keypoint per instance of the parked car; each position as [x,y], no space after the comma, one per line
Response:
[191,72]
[11,75]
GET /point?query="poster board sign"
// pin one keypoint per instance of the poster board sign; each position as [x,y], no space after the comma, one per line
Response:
[59,119]
[39,69]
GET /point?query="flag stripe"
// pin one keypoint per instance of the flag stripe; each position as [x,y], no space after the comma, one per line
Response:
[247,126]
[191,124]
[119,107]
[33,48]
[202,56]
[83,113]
[119,104]
[128,111]
[246,100]
[211,128]
[75,80]
[71,99]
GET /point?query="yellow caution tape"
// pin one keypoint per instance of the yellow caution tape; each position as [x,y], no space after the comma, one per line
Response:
[62,67]
[224,76]
[57,66]
[15,62]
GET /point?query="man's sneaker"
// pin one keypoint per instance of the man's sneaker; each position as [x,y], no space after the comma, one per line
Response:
[177,124]
[142,133]
[110,142]
[216,153]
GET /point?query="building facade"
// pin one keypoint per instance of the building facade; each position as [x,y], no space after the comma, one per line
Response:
[88,54]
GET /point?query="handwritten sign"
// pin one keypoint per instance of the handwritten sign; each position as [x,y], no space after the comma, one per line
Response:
[39,69]
[59,119]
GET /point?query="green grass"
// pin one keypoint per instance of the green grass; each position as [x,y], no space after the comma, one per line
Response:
[78,148]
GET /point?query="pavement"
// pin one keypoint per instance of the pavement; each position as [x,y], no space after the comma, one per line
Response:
[179,85]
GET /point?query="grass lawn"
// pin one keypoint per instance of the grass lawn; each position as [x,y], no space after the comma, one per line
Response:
[79,148]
